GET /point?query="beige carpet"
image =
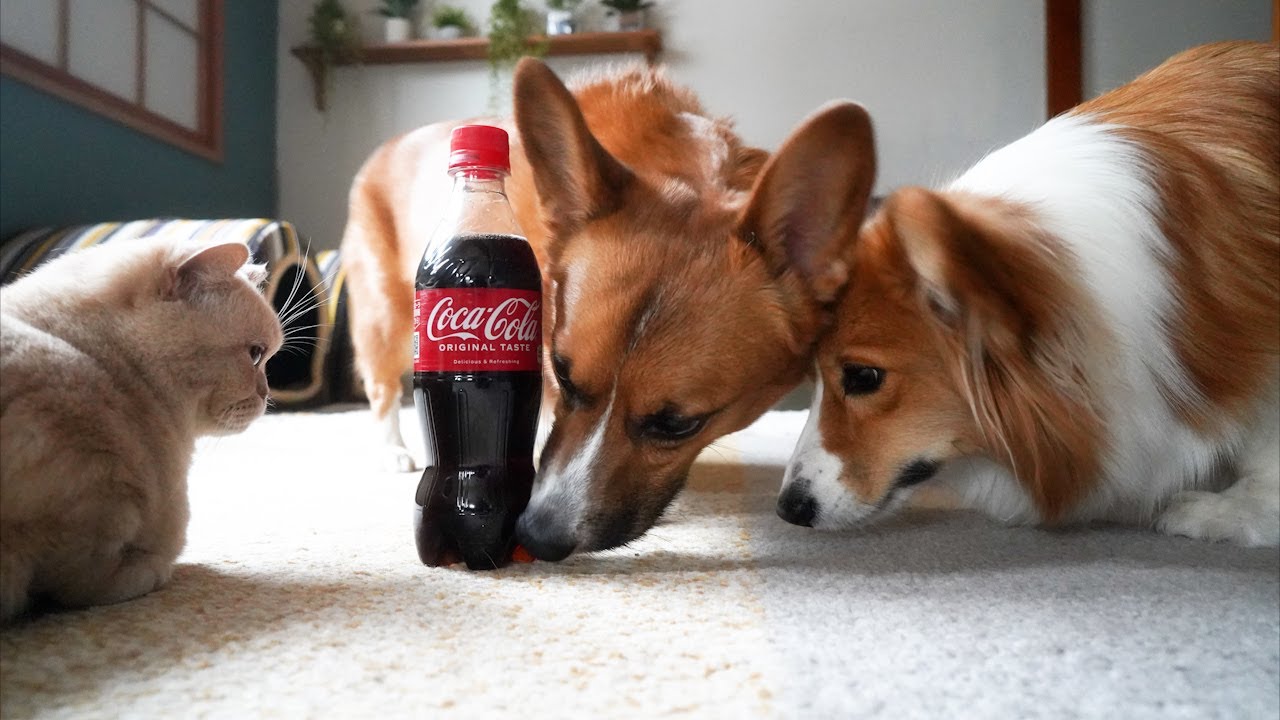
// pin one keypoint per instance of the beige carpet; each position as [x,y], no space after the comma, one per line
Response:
[300,595]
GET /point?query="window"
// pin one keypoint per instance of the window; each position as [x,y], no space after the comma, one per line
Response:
[154,65]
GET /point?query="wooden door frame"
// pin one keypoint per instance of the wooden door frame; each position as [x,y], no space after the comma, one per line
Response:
[1064,50]
[1063,56]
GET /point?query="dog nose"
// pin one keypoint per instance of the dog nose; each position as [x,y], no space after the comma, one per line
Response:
[543,539]
[796,505]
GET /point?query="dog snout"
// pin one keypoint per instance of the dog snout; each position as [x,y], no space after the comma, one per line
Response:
[796,504]
[543,537]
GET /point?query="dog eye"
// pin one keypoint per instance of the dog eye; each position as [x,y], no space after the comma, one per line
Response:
[256,352]
[862,379]
[560,367]
[669,427]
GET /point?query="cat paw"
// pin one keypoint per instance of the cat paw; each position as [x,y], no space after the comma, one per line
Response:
[138,574]
[396,459]
[1214,517]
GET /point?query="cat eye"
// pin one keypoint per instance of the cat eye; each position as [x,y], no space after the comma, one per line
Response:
[862,379]
[256,353]
[669,427]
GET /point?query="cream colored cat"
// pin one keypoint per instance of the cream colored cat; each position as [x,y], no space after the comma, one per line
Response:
[112,361]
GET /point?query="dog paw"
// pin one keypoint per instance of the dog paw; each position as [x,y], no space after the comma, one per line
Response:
[397,459]
[1213,516]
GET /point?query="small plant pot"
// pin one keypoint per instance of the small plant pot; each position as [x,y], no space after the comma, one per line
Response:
[630,20]
[397,30]
[560,22]
[448,32]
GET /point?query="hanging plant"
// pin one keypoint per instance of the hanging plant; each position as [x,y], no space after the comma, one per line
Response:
[335,36]
[511,31]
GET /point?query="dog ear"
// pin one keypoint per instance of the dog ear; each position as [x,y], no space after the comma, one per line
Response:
[1016,325]
[810,199]
[972,269]
[576,178]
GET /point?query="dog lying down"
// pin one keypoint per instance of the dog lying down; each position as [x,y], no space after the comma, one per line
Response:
[1086,325]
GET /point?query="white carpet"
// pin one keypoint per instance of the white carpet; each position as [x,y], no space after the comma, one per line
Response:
[300,595]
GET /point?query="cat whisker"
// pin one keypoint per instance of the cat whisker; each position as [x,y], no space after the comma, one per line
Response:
[295,307]
[305,305]
[316,293]
[289,331]
[297,277]
[293,350]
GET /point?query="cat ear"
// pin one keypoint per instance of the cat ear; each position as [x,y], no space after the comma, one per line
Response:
[211,264]
[256,275]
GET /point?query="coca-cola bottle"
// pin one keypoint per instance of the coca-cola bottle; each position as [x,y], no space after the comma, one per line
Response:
[477,382]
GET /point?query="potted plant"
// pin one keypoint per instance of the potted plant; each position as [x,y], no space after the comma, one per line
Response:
[334,37]
[450,22]
[630,13]
[397,27]
[560,16]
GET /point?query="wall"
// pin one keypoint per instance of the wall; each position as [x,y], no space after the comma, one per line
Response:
[944,81]
[1123,38]
[60,163]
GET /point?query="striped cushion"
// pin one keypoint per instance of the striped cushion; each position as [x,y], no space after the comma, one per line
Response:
[343,386]
[297,377]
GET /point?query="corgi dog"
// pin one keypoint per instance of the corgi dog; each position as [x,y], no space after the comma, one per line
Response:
[1084,326]
[673,313]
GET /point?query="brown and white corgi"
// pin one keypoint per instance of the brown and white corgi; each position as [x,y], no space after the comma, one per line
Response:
[1084,326]
[673,311]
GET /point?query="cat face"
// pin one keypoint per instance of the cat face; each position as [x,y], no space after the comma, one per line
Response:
[238,356]
[221,331]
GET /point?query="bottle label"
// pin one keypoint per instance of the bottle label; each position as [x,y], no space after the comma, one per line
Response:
[476,329]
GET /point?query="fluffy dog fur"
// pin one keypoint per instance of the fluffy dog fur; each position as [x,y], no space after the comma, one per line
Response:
[1085,325]
[673,311]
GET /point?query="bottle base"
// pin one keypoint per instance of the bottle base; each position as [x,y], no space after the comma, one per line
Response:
[477,540]
[481,541]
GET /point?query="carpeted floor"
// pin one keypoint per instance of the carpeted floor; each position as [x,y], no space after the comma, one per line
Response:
[300,595]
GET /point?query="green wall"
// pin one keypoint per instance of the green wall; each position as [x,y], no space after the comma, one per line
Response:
[61,164]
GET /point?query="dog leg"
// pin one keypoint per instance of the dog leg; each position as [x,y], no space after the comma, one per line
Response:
[384,401]
[381,318]
[1247,512]
[380,363]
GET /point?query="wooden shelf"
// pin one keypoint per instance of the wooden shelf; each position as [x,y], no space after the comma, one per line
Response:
[648,42]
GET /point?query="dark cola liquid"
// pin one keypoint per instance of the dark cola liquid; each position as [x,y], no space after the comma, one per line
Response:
[478,427]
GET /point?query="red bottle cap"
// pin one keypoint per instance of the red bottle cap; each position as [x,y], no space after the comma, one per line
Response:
[479,146]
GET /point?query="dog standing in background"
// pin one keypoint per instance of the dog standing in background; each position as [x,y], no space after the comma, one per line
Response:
[673,313]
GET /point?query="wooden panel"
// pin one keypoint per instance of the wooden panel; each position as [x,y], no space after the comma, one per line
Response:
[205,141]
[1064,84]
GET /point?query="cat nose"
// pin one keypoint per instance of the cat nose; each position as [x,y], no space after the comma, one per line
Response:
[262,386]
